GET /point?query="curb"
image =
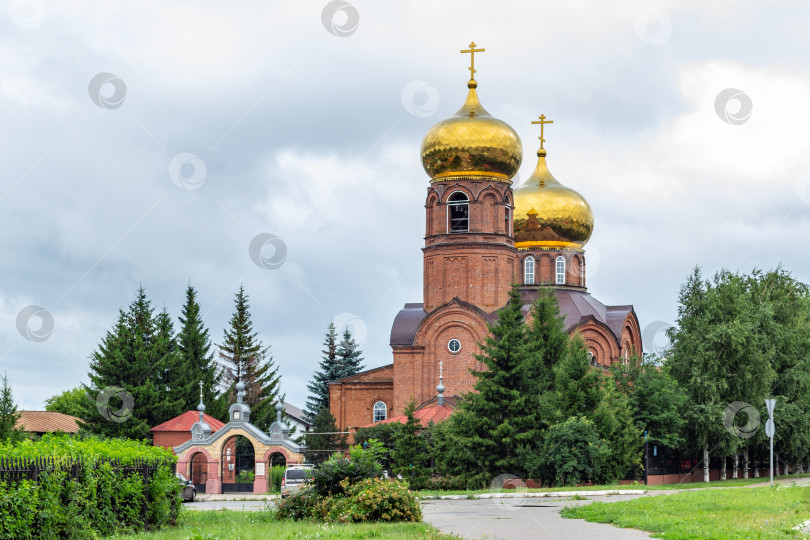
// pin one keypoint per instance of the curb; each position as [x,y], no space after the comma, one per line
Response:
[541,494]
[218,497]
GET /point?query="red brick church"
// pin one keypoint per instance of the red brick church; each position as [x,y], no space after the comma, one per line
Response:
[481,235]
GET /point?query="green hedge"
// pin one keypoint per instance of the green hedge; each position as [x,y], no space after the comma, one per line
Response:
[85,488]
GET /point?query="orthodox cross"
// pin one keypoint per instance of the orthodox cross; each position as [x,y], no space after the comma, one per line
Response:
[440,369]
[542,123]
[201,385]
[472,52]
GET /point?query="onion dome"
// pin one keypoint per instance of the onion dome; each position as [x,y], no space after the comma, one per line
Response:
[471,142]
[548,214]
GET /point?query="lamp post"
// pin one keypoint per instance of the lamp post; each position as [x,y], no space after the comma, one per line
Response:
[770,428]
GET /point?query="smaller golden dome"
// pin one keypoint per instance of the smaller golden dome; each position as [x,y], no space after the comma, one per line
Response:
[548,214]
[471,143]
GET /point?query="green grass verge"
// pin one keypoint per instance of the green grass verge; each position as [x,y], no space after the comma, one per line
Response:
[231,524]
[758,513]
[737,482]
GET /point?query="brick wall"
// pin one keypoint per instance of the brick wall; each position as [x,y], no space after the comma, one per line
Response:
[351,400]
[170,439]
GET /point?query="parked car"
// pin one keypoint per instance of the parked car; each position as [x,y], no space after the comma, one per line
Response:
[294,478]
[189,490]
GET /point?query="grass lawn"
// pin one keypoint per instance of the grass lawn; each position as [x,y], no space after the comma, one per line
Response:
[761,513]
[737,482]
[236,525]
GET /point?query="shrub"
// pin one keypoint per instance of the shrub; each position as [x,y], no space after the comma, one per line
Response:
[376,499]
[335,474]
[87,488]
[298,505]
[372,499]
[276,475]
[572,454]
[245,477]
[447,483]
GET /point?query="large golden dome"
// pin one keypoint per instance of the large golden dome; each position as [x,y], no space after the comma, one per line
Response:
[548,214]
[471,143]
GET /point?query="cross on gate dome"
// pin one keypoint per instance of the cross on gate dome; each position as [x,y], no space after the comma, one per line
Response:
[471,142]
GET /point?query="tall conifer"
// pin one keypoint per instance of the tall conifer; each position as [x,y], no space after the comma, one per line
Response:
[329,369]
[197,360]
[349,356]
[244,356]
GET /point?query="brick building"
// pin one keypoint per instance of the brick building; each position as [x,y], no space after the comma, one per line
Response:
[481,235]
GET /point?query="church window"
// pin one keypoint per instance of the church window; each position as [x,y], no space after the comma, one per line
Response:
[458,212]
[528,270]
[560,270]
[454,345]
[592,358]
[380,411]
[506,223]
[581,272]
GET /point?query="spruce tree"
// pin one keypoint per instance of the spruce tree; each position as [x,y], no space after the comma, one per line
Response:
[137,356]
[328,370]
[501,419]
[197,360]
[244,356]
[324,439]
[8,414]
[410,456]
[349,356]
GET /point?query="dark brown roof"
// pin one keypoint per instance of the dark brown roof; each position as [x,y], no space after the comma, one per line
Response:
[407,321]
[576,306]
[47,422]
[365,372]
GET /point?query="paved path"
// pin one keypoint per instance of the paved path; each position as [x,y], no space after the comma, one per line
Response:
[225,505]
[516,519]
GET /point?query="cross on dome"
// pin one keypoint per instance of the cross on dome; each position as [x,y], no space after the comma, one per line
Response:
[542,121]
[472,50]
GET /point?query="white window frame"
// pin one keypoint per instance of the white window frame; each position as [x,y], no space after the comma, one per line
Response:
[528,274]
[559,266]
[379,406]
[449,348]
[451,204]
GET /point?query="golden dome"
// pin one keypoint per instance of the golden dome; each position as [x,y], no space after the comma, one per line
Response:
[548,214]
[471,143]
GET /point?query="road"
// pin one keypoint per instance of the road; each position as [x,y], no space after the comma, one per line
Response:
[517,519]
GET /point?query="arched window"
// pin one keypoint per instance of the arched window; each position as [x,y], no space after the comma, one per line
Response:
[528,270]
[582,272]
[458,213]
[506,222]
[560,270]
[380,411]
[592,358]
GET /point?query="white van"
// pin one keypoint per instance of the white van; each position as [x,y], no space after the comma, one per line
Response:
[294,478]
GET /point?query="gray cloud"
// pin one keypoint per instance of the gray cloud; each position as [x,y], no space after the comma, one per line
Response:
[304,135]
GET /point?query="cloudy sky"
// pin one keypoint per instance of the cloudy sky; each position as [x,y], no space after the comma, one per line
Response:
[151,142]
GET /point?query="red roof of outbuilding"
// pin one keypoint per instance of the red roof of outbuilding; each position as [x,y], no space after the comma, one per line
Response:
[426,415]
[186,420]
[46,422]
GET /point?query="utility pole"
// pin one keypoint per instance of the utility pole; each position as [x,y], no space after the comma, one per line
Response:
[770,428]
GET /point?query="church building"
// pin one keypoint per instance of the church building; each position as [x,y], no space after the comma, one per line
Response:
[481,235]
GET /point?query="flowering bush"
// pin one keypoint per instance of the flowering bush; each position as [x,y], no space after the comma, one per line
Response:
[373,499]
[351,490]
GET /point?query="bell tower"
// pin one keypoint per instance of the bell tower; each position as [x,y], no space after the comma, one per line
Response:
[469,250]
